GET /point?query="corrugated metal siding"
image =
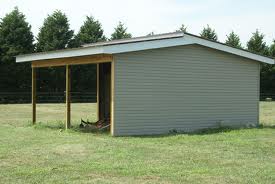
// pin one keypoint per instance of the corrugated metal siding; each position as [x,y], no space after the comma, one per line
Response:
[183,88]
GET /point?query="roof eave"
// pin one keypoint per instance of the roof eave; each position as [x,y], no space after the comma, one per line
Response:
[228,49]
[65,53]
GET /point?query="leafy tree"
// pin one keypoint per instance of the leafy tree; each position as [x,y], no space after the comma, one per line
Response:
[15,38]
[120,32]
[209,33]
[257,44]
[233,40]
[55,33]
[183,28]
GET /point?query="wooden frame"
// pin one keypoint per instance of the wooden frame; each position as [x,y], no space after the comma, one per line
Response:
[33,96]
[96,59]
[101,58]
[68,97]
[97,90]
[112,97]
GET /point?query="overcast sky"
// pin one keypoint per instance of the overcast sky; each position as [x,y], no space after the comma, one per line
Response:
[158,16]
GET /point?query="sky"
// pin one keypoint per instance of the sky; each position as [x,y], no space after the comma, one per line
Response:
[158,16]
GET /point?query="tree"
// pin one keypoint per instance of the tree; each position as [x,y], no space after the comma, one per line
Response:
[183,28]
[85,76]
[120,32]
[270,72]
[90,32]
[209,33]
[233,40]
[15,38]
[272,49]
[55,33]
[257,45]
[15,35]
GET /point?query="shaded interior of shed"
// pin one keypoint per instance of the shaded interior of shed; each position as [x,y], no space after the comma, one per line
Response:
[104,91]
[103,88]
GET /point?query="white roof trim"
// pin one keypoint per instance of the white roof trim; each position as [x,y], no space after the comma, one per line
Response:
[225,48]
[59,54]
[141,43]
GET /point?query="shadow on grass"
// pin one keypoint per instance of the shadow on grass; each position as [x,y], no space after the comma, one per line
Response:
[198,132]
[89,130]
[49,125]
[60,126]
[261,126]
[227,129]
[207,131]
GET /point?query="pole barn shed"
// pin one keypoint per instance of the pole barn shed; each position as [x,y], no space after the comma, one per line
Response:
[161,83]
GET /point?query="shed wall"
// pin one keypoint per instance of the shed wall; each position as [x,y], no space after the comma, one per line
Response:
[183,88]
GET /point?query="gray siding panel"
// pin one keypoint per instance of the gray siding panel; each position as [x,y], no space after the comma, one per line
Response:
[184,88]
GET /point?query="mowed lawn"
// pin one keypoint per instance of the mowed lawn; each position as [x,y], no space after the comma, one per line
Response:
[47,154]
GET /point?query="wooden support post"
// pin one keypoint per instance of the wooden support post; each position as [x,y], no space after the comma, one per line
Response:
[68,97]
[33,96]
[97,90]
[112,97]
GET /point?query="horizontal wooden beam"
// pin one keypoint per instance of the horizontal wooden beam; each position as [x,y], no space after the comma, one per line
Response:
[80,60]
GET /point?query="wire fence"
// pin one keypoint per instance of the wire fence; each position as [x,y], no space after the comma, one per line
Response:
[59,97]
[267,96]
[46,97]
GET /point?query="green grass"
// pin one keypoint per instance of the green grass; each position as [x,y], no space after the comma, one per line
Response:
[46,154]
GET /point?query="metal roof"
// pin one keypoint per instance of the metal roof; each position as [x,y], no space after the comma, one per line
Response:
[142,43]
[137,39]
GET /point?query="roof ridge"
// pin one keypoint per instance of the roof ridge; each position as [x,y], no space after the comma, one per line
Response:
[136,39]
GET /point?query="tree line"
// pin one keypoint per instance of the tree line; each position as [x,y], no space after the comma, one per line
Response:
[257,45]
[16,38]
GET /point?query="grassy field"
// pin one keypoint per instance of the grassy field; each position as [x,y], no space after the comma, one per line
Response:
[47,154]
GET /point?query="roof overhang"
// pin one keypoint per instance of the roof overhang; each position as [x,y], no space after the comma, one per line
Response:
[139,44]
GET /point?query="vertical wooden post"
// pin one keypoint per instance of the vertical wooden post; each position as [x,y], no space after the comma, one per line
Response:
[33,96]
[112,97]
[68,97]
[97,90]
